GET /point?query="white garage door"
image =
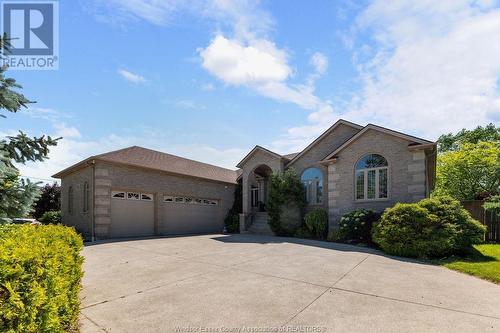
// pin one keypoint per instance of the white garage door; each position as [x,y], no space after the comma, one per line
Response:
[187,215]
[132,214]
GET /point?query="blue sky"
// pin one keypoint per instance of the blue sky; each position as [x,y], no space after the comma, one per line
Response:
[210,79]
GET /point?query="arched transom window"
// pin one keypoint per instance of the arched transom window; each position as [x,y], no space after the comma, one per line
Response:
[371,177]
[312,179]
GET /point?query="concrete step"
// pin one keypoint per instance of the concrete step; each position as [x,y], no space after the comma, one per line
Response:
[260,224]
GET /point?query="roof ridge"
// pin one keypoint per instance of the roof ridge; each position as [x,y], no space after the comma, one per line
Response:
[164,153]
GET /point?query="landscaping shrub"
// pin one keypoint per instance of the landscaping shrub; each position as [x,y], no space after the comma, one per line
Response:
[317,222]
[51,217]
[466,230]
[232,220]
[286,199]
[40,274]
[356,226]
[303,232]
[432,228]
[232,223]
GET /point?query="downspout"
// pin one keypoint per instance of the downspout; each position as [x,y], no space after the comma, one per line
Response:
[92,229]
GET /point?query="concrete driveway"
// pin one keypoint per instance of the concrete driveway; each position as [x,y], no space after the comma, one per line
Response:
[249,283]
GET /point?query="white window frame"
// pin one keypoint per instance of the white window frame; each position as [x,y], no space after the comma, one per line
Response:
[150,197]
[133,196]
[113,193]
[183,200]
[365,183]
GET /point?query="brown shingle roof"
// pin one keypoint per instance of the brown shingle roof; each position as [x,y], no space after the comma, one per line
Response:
[152,159]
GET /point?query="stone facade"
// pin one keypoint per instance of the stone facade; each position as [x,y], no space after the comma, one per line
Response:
[312,158]
[410,170]
[406,174]
[110,177]
[411,174]
[82,221]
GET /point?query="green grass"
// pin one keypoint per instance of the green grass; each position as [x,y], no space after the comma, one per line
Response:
[483,262]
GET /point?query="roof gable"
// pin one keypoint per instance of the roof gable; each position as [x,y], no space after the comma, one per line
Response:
[253,151]
[412,139]
[322,136]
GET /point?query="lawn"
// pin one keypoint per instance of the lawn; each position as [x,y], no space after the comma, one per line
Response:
[484,262]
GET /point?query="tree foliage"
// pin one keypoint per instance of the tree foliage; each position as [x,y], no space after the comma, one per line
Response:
[17,195]
[471,172]
[49,200]
[453,142]
[285,202]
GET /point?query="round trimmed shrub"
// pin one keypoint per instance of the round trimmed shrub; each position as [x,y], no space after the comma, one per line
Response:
[432,228]
[356,226]
[467,231]
[316,222]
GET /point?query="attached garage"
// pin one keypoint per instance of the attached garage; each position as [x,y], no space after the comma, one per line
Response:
[132,214]
[185,215]
[140,192]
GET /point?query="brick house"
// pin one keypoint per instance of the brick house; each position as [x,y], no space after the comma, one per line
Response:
[141,192]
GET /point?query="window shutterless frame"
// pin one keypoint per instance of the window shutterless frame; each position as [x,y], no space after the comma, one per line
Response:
[366,185]
[377,181]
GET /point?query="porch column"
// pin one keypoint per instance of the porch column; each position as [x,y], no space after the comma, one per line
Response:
[245,202]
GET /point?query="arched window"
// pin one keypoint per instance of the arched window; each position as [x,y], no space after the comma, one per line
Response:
[312,179]
[371,177]
[70,200]
[86,197]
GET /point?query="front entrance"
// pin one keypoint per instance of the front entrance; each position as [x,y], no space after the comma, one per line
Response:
[259,182]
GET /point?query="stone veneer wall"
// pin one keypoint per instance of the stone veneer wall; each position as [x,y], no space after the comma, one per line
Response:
[82,221]
[312,158]
[407,174]
[102,200]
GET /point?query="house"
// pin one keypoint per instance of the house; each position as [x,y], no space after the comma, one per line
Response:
[141,192]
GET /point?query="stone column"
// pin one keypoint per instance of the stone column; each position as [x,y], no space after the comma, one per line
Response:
[102,200]
[333,195]
[245,202]
[417,177]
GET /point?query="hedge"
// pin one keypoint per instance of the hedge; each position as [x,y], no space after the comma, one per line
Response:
[431,228]
[40,278]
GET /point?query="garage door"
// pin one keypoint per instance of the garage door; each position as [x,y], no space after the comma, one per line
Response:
[188,215]
[132,214]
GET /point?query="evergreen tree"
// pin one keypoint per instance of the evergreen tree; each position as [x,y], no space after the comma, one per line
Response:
[49,200]
[17,195]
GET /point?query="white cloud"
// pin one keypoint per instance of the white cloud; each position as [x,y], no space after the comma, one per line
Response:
[131,77]
[208,87]
[433,67]
[320,62]
[62,130]
[236,63]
